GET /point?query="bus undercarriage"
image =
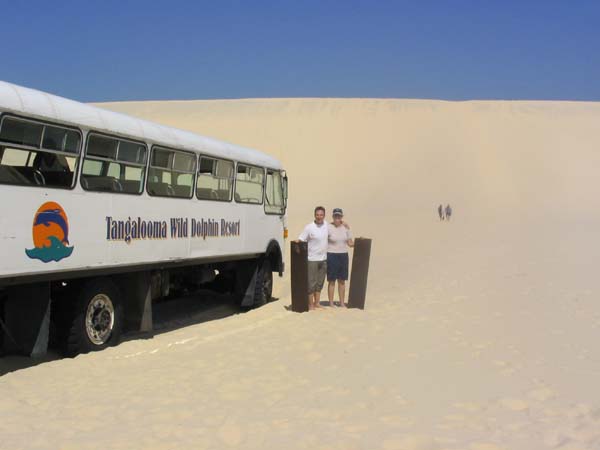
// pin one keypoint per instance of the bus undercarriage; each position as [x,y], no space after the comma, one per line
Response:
[90,312]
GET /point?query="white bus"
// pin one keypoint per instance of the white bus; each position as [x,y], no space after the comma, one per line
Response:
[105,213]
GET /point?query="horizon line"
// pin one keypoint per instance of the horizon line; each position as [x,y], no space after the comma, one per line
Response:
[491,99]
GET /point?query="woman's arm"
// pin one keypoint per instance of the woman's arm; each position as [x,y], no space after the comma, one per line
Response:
[350,242]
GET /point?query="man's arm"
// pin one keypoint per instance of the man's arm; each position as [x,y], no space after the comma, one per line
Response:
[304,235]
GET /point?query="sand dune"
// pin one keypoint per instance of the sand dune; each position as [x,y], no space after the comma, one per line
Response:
[479,334]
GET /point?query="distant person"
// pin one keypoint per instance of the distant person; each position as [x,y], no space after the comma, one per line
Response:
[340,239]
[316,235]
[448,212]
[441,211]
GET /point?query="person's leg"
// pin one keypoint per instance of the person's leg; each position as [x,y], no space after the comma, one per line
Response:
[318,300]
[330,278]
[331,291]
[312,277]
[342,277]
[316,278]
[333,269]
[320,281]
[342,292]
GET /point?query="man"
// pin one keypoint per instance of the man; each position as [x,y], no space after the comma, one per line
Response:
[316,235]
[441,212]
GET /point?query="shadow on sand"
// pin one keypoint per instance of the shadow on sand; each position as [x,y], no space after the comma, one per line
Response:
[168,315]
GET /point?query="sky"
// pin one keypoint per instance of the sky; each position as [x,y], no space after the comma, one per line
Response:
[160,50]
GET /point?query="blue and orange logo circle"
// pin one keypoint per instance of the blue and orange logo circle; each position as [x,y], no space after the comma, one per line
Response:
[50,234]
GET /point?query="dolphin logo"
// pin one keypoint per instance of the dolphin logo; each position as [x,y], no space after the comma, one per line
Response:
[50,234]
[53,216]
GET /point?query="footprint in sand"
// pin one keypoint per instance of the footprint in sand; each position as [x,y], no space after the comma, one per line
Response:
[313,357]
[482,346]
[455,418]
[555,439]
[356,428]
[410,443]
[514,404]
[579,411]
[341,339]
[485,446]
[454,422]
[516,427]
[374,391]
[397,421]
[506,367]
[307,345]
[541,394]
[400,400]
[468,406]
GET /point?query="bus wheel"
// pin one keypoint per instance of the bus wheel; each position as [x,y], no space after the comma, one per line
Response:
[264,284]
[98,318]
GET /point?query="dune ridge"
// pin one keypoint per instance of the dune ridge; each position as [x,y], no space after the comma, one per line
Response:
[479,334]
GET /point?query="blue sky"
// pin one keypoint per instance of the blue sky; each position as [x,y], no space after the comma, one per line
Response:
[133,50]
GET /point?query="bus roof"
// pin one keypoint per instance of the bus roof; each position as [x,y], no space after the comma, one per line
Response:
[33,103]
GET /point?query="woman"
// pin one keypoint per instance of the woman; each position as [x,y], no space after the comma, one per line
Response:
[337,256]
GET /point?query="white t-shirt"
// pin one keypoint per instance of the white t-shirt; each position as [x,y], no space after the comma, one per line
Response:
[338,239]
[316,236]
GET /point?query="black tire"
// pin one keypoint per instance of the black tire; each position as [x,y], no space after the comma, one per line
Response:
[263,290]
[98,318]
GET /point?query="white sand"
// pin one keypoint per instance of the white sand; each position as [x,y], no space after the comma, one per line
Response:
[479,334]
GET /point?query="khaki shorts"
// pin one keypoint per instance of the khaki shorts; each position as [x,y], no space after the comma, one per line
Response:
[317,270]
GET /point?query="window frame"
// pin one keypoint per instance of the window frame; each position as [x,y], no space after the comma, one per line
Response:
[262,200]
[284,205]
[233,178]
[175,150]
[78,156]
[144,167]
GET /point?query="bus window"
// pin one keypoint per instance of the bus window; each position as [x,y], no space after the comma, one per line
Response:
[102,147]
[215,179]
[249,184]
[134,173]
[17,131]
[171,173]
[36,154]
[132,153]
[274,196]
[60,139]
[113,165]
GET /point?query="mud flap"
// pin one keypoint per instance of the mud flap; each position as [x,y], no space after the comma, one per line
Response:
[245,282]
[26,320]
[137,302]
